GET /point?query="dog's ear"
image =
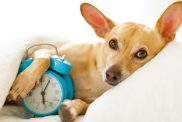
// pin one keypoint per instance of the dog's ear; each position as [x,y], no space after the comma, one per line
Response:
[99,22]
[170,21]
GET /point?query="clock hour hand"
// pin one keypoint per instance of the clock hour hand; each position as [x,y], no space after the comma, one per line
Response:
[43,97]
[41,80]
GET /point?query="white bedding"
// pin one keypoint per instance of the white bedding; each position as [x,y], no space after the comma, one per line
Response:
[152,94]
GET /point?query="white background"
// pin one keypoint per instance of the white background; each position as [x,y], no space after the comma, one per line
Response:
[21,19]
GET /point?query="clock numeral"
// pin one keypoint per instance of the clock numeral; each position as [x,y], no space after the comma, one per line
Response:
[45,107]
[53,85]
[43,79]
[57,92]
[51,104]
[37,105]
[30,94]
[33,100]
[56,99]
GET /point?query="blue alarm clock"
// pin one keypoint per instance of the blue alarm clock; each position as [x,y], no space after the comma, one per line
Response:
[54,87]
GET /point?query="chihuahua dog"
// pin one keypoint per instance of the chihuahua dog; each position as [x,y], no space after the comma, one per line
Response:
[98,67]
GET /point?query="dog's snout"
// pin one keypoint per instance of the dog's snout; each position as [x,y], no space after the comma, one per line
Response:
[113,74]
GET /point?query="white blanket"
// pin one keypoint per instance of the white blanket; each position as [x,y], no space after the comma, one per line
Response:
[152,94]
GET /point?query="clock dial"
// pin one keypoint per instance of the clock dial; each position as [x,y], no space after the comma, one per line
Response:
[45,97]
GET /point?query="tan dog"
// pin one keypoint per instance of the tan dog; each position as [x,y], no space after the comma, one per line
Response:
[98,67]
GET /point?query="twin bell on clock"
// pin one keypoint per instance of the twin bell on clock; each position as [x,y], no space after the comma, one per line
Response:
[55,86]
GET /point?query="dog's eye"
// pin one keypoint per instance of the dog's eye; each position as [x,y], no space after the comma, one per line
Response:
[141,54]
[113,43]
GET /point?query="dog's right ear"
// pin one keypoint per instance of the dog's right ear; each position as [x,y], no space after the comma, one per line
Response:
[99,22]
[170,21]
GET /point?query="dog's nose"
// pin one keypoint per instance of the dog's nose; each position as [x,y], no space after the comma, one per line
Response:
[113,74]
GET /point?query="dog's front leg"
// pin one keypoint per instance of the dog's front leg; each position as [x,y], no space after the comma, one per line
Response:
[27,79]
[70,109]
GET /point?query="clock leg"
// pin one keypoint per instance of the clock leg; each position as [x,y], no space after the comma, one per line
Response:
[70,109]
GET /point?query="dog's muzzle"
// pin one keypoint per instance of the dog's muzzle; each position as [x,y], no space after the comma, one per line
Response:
[113,75]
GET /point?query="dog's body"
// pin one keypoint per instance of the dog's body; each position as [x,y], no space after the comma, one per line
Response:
[85,73]
[98,67]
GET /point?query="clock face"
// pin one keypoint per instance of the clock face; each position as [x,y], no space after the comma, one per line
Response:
[45,97]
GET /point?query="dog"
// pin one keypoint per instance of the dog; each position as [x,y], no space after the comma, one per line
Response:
[98,67]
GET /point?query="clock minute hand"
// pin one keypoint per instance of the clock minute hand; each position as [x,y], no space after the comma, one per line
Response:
[42,92]
[46,85]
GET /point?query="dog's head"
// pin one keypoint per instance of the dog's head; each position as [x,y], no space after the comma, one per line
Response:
[129,46]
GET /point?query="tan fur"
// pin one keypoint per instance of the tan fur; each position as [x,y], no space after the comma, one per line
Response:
[70,109]
[91,61]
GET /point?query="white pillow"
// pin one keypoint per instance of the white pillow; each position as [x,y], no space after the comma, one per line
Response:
[152,94]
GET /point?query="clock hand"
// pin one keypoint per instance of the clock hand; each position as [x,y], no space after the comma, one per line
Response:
[46,85]
[42,93]
[43,97]
[41,82]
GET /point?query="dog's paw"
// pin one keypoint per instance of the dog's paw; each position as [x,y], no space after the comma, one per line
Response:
[21,86]
[67,112]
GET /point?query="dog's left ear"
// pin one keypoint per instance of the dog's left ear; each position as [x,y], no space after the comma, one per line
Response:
[99,22]
[170,21]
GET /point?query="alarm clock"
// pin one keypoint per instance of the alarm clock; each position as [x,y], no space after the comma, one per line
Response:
[54,87]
